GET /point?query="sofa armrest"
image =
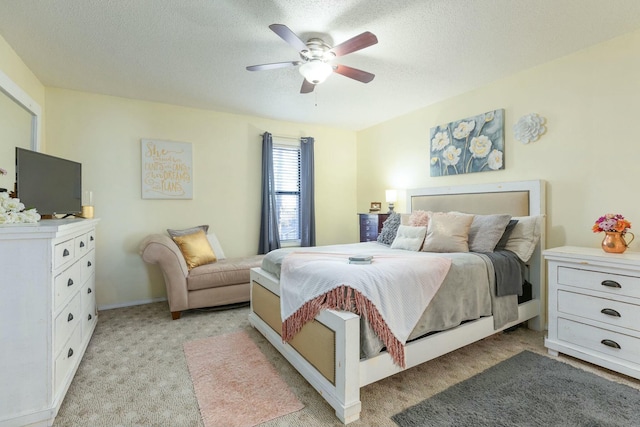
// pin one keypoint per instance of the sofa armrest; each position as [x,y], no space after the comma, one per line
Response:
[160,249]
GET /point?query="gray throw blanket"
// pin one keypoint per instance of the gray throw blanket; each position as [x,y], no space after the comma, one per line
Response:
[509,271]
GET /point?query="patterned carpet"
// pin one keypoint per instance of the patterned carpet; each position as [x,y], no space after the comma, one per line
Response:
[134,372]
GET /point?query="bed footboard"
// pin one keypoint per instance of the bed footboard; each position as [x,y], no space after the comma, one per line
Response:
[326,352]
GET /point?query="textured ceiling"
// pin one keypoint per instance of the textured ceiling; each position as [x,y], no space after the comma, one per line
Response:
[194,52]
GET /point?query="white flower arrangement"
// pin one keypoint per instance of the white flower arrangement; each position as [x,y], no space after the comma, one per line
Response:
[529,128]
[12,211]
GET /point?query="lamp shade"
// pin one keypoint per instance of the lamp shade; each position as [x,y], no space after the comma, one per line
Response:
[315,71]
[391,196]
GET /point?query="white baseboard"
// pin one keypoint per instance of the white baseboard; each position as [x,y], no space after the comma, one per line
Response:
[130,303]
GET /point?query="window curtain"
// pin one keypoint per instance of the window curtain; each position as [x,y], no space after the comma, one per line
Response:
[269,235]
[307,200]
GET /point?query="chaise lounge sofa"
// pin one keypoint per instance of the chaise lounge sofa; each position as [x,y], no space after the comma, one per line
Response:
[225,281]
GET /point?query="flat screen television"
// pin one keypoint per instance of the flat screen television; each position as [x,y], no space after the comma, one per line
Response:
[50,184]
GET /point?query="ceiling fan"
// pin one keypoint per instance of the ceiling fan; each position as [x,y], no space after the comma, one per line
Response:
[316,56]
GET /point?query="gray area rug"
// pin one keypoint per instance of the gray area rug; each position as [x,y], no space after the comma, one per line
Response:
[528,390]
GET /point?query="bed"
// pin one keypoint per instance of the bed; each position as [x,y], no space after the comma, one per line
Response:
[328,351]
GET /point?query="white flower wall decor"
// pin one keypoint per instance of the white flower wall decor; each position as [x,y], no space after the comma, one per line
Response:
[529,128]
[474,144]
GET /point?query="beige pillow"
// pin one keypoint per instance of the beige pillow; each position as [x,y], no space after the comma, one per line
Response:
[195,248]
[216,246]
[409,238]
[448,232]
[525,236]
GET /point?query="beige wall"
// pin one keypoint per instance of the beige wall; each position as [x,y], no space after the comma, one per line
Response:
[589,155]
[103,133]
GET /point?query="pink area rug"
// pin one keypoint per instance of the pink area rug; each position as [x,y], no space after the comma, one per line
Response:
[235,384]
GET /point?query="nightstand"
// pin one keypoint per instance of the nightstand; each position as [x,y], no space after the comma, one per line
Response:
[594,307]
[371,225]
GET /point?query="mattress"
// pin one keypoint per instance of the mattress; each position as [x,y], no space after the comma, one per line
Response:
[466,293]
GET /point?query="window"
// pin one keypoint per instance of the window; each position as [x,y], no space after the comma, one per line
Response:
[286,166]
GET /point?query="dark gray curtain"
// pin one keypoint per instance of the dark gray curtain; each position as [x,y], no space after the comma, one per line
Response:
[307,200]
[269,236]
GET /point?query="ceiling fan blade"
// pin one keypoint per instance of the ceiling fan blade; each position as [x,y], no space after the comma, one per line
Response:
[307,87]
[354,73]
[361,41]
[289,36]
[273,65]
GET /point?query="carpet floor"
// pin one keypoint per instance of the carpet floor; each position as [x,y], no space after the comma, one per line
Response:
[235,384]
[135,373]
[528,390]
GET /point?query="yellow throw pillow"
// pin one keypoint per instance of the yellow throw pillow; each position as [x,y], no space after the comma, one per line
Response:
[195,248]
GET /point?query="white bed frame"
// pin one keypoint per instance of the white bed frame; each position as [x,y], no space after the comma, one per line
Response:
[351,372]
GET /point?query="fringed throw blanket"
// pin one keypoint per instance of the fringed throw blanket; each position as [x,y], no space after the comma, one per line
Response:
[392,292]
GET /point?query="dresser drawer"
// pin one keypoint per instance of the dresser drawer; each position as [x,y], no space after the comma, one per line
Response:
[66,322]
[615,284]
[89,318]
[66,283]
[81,244]
[91,239]
[88,291]
[63,253]
[87,265]
[597,339]
[67,359]
[604,310]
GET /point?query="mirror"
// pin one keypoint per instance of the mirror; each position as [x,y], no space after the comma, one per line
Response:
[20,125]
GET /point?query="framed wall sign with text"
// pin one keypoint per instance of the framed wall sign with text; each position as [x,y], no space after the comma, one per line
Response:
[167,170]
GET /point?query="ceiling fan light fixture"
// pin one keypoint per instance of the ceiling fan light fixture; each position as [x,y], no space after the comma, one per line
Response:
[316,71]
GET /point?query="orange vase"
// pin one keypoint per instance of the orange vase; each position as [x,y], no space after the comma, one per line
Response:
[615,243]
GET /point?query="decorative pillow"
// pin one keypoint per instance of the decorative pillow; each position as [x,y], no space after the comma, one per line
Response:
[191,230]
[389,229]
[448,232]
[216,246]
[409,238]
[419,218]
[195,248]
[486,230]
[404,218]
[525,236]
[505,236]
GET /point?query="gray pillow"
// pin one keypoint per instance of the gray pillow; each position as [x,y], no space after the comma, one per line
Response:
[175,233]
[486,230]
[502,243]
[389,229]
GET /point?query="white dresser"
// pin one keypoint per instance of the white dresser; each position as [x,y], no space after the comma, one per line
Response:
[594,307]
[47,314]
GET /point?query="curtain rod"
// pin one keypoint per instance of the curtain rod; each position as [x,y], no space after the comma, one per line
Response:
[297,138]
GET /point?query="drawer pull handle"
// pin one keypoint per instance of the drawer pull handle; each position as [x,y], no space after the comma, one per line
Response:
[610,343]
[65,252]
[70,282]
[70,317]
[610,312]
[82,244]
[611,284]
[90,317]
[88,263]
[70,352]
[91,239]
[89,290]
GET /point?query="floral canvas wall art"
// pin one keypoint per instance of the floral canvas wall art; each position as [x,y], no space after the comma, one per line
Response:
[474,144]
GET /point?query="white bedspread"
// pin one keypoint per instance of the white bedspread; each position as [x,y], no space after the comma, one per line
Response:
[392,292]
